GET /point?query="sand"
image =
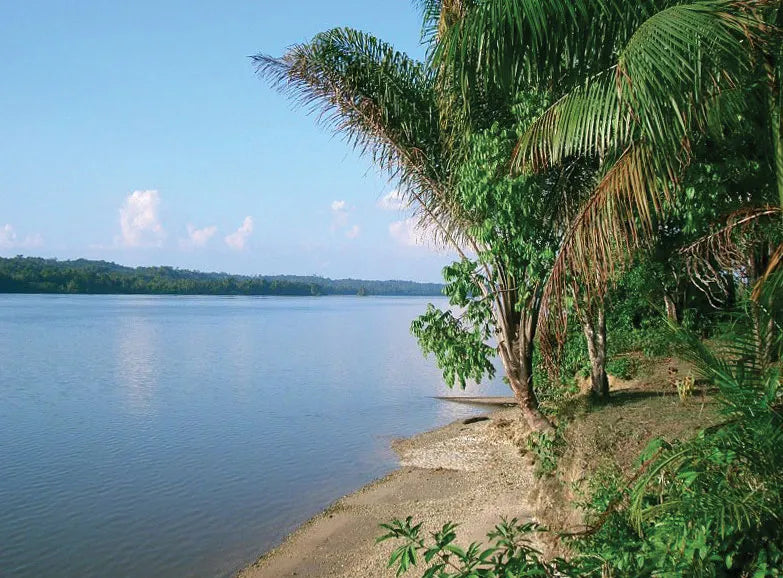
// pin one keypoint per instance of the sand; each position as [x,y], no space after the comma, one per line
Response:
[475,473]
[470,473]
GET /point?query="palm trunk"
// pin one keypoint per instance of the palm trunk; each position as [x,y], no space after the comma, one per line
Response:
[775,122]
[594,326]
[671,309]
[762,334]
[778,151]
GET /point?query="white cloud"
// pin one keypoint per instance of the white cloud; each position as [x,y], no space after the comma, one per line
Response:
[409,234]
[10,240]
[353,232]
[139,220]
[7,236]
[392,201]
[340,213]
[238,238]
[198,237]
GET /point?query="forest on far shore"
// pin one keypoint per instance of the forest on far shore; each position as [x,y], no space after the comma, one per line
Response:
[37,275]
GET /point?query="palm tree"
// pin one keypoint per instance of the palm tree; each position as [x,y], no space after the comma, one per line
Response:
[387,106]
[632,84]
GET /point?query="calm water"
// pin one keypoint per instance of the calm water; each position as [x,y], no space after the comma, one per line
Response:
[177,436]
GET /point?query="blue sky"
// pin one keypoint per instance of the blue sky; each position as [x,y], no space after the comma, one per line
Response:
[137,132]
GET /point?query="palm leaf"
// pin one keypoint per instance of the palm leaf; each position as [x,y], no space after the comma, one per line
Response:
[588,121]
[617,218]
[383,103]
[681,56]
[540,43]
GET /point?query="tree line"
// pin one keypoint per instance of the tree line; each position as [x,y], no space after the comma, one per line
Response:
[36,275]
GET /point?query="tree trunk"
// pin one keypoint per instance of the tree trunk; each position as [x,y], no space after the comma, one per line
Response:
[671,309]
[595,334]
[762,334]
[524,393]
[775,124]
[517,359]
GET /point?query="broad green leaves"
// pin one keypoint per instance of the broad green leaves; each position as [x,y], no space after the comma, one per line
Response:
[514,223]
[509,556]
[458,344]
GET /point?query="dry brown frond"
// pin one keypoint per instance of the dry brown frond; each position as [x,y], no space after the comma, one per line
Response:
[728,249]
[618,218]
[774,262]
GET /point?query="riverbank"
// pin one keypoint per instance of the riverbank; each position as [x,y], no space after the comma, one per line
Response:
[476,472]
[469,471]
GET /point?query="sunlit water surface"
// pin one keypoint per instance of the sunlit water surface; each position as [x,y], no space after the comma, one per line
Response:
[183,436]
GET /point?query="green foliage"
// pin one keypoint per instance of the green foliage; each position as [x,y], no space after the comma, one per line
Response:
[509,555]
[712,505]
[708,506]
[636,321]
[459,342]
[604,488]
[622,367]
[459,347]
[547,448]
[556,387]
[511,219]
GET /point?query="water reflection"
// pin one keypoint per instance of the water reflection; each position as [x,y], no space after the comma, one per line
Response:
[137,371]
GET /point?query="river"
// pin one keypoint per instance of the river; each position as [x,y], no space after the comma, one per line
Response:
[148,436]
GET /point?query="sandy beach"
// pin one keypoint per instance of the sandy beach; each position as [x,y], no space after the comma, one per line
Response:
[474,472]
[471,472]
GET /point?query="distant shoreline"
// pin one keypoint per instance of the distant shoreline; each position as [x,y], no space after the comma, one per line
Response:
[37,276]
[343,295]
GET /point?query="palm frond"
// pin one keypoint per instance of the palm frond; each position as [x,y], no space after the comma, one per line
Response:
[728,251]
[618,217]
[383,103]
[772,277]
[681,56]
[589,121]
[727,478]
[676,72]
[541,43]
[669,80]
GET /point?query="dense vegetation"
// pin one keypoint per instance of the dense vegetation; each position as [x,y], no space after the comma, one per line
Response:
[611,175]
[35,275]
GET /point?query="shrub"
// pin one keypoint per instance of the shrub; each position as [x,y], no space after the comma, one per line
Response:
[622,367]
[510,553]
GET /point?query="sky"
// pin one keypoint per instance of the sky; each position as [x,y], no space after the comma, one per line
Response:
[137,132]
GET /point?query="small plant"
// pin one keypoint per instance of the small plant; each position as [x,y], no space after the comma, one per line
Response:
[546,448]
[509,554]
[601,489]
[685,387]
